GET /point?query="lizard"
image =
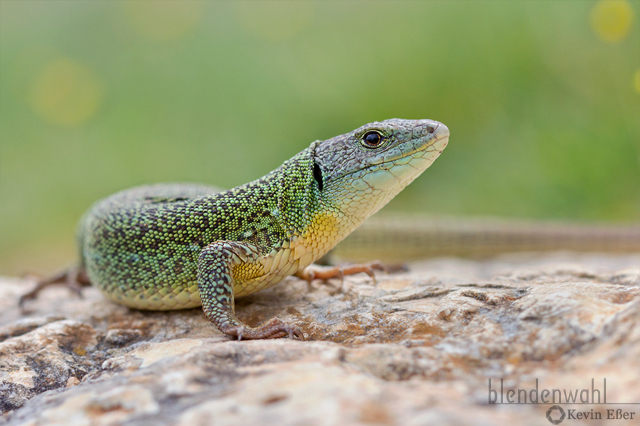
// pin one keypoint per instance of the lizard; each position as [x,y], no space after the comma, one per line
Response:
[178,246]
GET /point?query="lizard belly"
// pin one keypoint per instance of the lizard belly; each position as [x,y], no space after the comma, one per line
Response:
[169,295]
[157,298]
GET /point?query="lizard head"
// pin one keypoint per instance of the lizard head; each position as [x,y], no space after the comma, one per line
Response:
[359,172]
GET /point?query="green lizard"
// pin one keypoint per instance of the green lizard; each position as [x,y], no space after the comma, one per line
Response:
[175,246]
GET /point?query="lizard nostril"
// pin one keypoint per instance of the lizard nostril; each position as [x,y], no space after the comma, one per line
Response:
[431,128]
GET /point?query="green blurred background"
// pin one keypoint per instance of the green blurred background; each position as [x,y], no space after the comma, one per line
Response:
[542,99]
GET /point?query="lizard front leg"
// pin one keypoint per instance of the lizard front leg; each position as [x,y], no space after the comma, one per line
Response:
[216,280]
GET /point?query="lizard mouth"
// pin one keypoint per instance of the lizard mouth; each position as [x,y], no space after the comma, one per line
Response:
[439,139]
[418,146]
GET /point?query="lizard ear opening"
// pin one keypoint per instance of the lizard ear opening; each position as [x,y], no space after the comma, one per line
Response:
[317,175]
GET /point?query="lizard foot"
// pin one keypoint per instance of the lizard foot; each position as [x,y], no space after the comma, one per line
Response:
[274,329]
[74,278]
[216,282]
[324,273]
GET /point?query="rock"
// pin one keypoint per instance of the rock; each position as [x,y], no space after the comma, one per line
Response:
[417,348]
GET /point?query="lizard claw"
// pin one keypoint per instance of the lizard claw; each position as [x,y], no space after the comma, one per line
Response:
[309,277]
[341,276]
[292,331]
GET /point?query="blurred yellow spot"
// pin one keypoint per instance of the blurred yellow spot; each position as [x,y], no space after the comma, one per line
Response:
[163,20]
[274,20]
[65,92]
[612,19]
[79,350]
[636,80]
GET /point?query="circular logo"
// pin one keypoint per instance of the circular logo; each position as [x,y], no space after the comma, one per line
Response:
[553,417]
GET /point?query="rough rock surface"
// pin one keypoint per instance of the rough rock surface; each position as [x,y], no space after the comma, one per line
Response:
[417,348]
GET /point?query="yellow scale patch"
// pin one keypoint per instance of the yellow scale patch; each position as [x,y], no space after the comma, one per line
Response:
[249,278]
[247,271]
[324,232]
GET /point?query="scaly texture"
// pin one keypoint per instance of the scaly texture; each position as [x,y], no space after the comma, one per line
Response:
[176,246]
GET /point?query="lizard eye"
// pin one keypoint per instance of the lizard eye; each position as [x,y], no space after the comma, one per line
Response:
[372,139]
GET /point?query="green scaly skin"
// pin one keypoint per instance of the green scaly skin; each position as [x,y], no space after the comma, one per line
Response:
[174,246]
